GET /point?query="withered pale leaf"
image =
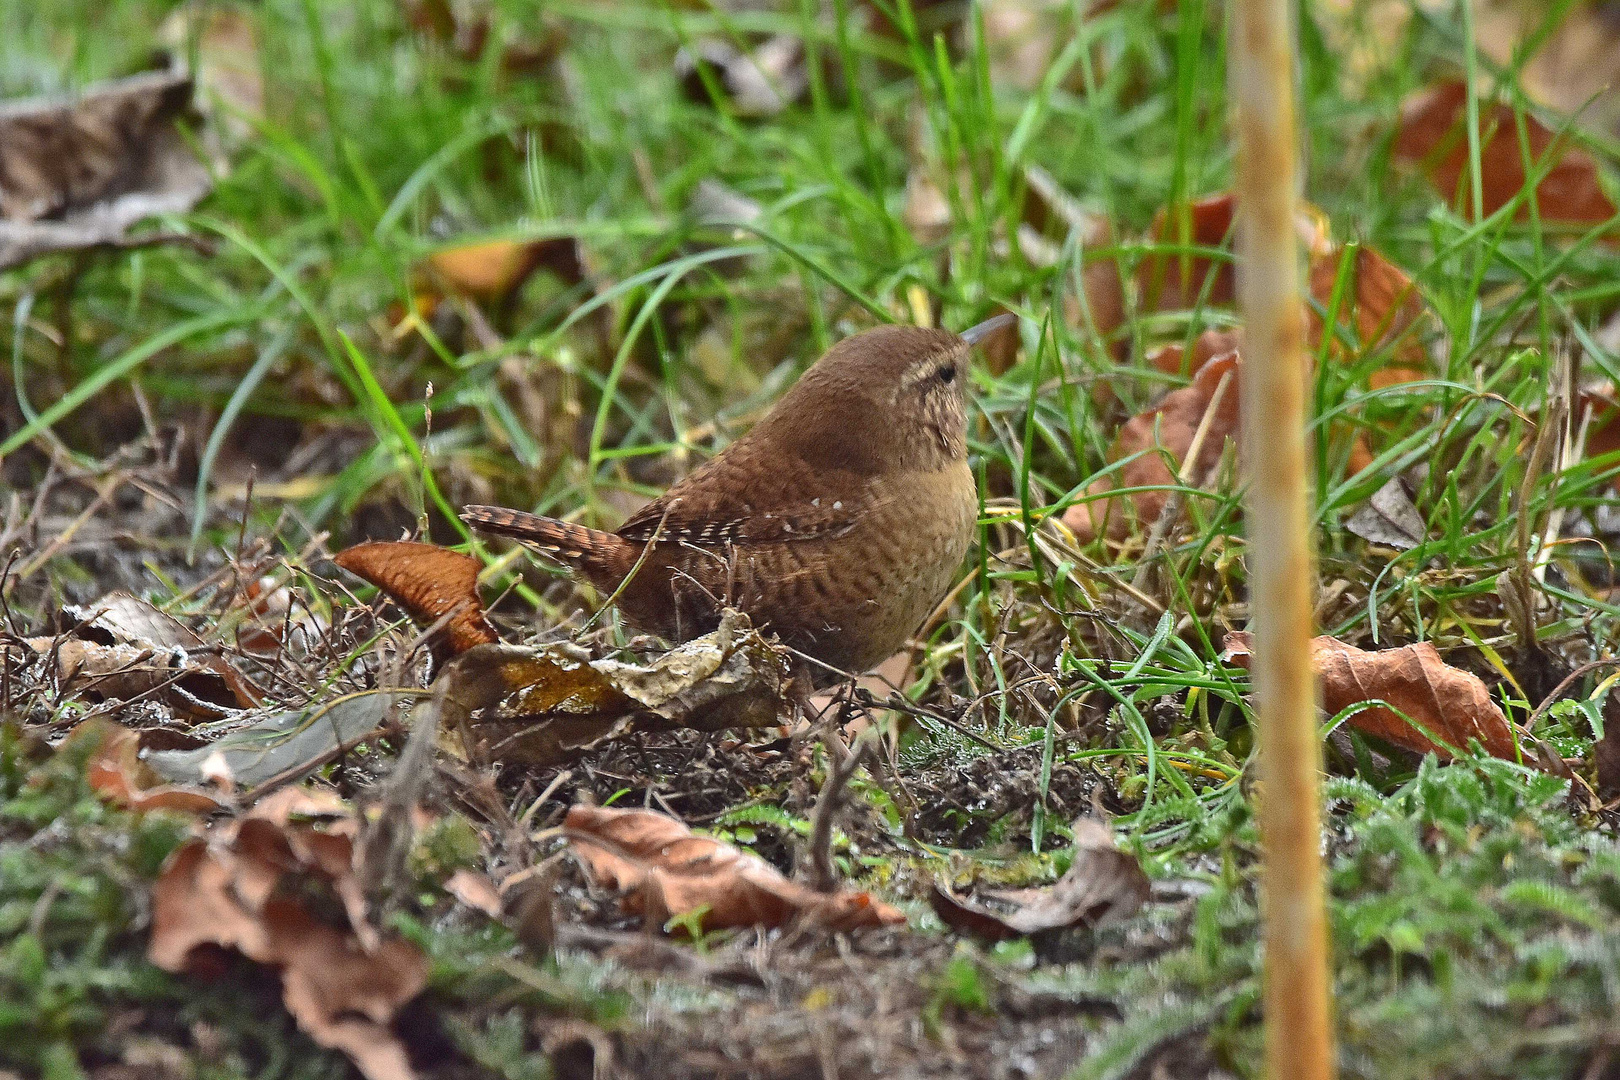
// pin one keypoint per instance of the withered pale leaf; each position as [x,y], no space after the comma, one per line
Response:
[1453,705]
[1389,518]
[247,887]
[430,583]
[547,704]
[202,681]
[280,744]
[78,173]
[1103,884]
[474,890]
[667,870]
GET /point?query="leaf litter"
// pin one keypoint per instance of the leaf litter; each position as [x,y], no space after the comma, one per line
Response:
[621,751]
[666,871]
[253,885]
[1441,708]
[80,173]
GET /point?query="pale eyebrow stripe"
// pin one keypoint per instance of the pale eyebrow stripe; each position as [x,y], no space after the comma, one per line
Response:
[923,368]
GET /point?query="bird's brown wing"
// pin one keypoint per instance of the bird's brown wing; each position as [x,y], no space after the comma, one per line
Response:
[739,498]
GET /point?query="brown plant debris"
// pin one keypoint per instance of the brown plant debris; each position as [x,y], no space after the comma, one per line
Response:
[1432,135]
[547,704]
[254,886]
[122,649]
[1103,884]
[117,773]
[758,83]
[79,173]
[1171,427]
[665,870]
[491,271]
[430,583]
[1451,705]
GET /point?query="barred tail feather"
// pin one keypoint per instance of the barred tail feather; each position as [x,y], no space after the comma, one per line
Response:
[592,552]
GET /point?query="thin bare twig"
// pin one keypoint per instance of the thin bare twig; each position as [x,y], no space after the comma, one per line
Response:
[841,766]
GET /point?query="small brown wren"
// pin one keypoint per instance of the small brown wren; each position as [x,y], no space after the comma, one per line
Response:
[837,522]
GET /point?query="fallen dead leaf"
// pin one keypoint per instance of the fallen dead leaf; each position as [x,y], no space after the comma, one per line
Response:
[209,684]
[1431,134]
[492,271]
[1382,305]
[116,773]
[1167,282]
[120,619]
[546,705]
[1389,518]
[123,649]
[666,870]
[476,891]
[430,583]
[79,173]
[1171,426]
[1103,884]
[253,886]
[1172,359]
[758,83]
[1454,706]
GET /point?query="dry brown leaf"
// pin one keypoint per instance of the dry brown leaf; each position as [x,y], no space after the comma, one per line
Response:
[429,582]
[1382,305]
[1453,705]
[1172,359]
[464,25]
[79,173]
[492,271]
[475,891]
[1172,426]
[202,682]
[758,83]
[666,871]
[116,773]
[228,75]
[1103,884]
[546,705]
[1168,282]
[248,886]
[1432,134]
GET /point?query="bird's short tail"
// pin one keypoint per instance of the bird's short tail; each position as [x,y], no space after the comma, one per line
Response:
[592,552]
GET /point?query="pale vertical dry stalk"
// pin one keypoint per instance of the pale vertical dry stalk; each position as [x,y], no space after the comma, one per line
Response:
[1299,1041]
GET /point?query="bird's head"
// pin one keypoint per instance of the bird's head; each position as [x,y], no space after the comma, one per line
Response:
[891,397]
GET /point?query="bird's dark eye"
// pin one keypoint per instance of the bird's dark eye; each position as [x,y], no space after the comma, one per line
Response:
[947,374]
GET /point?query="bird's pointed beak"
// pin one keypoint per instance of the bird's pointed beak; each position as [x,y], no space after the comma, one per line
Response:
[975,334]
